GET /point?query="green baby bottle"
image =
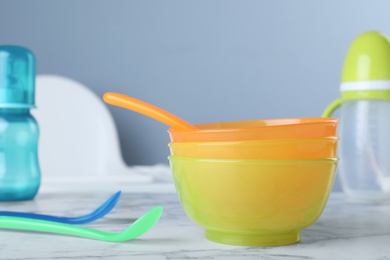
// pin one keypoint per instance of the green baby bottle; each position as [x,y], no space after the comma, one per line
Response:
[364,146]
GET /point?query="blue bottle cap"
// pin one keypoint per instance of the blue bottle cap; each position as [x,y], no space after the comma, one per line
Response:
[17,77]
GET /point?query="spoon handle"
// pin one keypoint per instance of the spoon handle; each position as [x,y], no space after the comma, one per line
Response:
[51,227]
[146,109]
[100,212]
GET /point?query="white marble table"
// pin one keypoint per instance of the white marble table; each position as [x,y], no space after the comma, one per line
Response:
[347,229]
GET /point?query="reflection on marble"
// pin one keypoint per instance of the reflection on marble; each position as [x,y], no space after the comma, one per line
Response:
[347,229]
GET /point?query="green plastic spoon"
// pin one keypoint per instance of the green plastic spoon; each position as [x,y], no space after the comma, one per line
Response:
[138,228]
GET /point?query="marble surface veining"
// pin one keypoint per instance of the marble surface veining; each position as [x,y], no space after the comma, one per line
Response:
[347,229]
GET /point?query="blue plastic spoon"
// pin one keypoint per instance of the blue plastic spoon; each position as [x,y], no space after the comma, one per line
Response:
[100,212]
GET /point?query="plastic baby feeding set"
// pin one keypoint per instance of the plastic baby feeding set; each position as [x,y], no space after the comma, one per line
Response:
[254,182]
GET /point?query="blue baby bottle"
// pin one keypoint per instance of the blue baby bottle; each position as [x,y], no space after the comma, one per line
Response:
[19,167]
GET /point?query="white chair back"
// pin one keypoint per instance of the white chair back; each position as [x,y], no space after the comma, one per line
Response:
[78,138]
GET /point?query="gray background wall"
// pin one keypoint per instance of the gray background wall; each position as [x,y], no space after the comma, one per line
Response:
[205,61]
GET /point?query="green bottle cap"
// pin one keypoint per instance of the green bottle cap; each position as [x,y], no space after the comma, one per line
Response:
[366,72]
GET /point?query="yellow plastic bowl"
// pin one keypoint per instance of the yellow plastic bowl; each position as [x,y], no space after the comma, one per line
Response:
[307,148]
[288,128]
[253,202]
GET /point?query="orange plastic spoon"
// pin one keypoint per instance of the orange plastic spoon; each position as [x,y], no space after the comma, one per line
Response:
[147,109]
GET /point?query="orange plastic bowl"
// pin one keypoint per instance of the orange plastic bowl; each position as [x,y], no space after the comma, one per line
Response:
[307,148]
[253,202]
[288,128]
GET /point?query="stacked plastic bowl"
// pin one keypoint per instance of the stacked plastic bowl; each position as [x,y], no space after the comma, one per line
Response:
[255,182]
